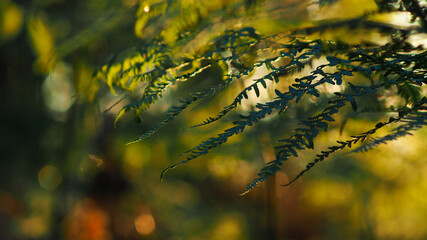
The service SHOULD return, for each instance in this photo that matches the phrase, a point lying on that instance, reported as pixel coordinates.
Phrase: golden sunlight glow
(34, 227)
(146, 8)
(145, 224)
(230, 227)
(11, 21)
(43, 43)
(223, 166)
(329, 193)
(135, 158)
(344, 9)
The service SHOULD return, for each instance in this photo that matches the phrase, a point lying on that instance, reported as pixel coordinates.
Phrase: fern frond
(176, 110)
(296, 62)
(296, 91)
(125, 71)
(342, 144)
(303, 138)
(239, 126)
(415, 119)
(176, 54)
(419, 106)
(154, 64)
(155, 89)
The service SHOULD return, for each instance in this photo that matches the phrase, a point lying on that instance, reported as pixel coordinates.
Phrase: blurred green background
(66, 172)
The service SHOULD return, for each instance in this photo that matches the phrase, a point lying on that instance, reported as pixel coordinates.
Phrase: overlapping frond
(419, 106)
(304, 137)
(395, 67)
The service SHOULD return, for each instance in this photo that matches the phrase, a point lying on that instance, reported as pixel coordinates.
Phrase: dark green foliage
(396, 66)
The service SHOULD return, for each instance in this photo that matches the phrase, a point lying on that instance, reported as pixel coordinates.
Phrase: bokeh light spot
(58, 91)
(230, 227)
(135, 158)
(49, 177)
(87, 220)
(11, 21)
(146, 8)
(34, 227)
(145, 224)
(223, 166)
